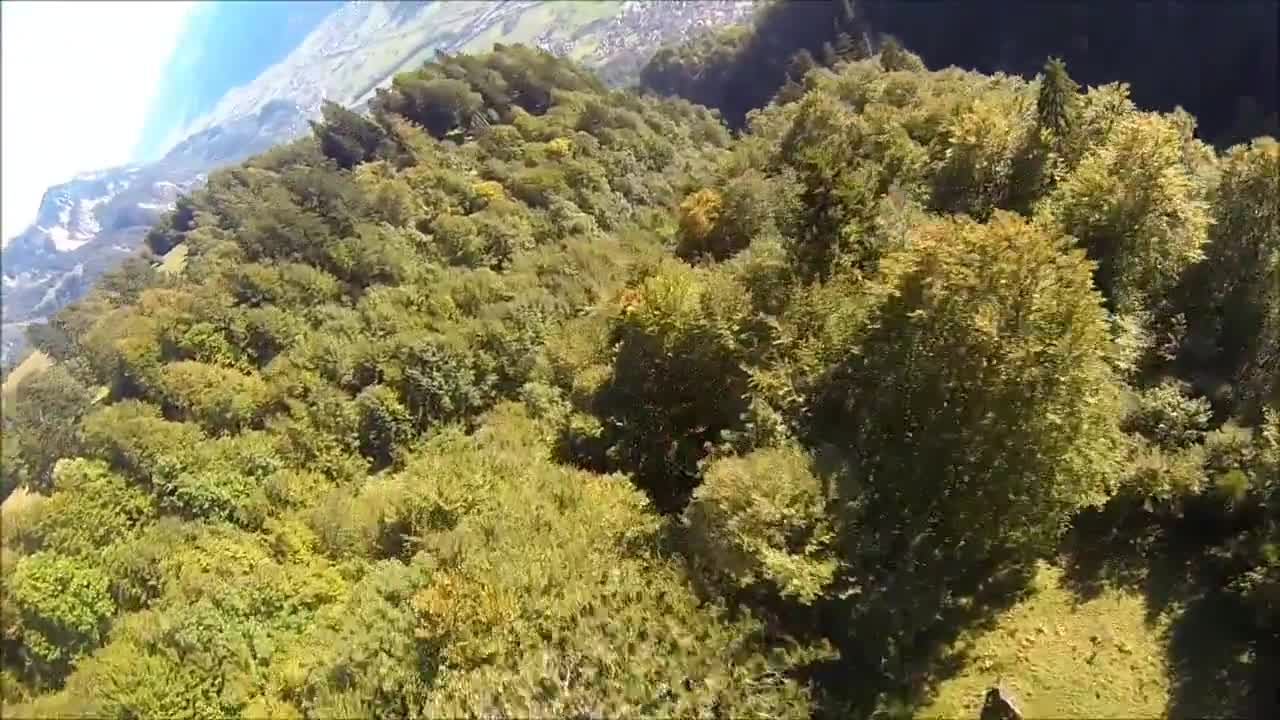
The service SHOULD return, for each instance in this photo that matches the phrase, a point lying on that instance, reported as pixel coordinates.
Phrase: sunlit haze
(77, 80)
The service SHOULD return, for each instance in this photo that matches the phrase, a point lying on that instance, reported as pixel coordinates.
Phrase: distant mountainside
(88, 224)
(224, 45)
(1219, 61)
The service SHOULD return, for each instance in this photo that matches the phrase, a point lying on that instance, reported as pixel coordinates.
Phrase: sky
(76, 79)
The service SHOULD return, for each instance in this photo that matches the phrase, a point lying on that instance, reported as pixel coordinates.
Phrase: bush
(65, 607)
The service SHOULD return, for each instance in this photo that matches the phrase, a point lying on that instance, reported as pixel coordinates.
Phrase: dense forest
(1216, 60)
(526, 397)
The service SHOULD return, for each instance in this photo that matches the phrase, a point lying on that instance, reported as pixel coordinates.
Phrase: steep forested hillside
(1217, 60)
(525, 397)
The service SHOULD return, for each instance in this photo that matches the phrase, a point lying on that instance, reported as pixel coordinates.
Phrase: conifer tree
(844, 46)
(1057, 106)
(895, 57)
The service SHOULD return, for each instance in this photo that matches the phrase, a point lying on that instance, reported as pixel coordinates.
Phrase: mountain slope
(349, 53)
(528, 398)
(224, 45)
(89, 224)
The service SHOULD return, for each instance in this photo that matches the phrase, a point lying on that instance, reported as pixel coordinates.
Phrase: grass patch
(36, 362)
(174, 260)
(1064, 657)
(20, 502)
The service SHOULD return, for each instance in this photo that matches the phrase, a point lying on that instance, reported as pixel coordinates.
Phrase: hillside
(1216, 60)
(525, 396)
(223, 46)
(90, 224)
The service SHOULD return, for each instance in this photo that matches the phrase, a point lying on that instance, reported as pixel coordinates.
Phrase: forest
(526, 397)
(1216, 60)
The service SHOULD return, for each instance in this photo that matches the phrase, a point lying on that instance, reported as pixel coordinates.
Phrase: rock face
(1000, 705)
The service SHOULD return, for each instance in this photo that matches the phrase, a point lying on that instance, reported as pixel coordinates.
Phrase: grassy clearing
(174, 260)
(1063, 657)
(36, 362)
(18, 502)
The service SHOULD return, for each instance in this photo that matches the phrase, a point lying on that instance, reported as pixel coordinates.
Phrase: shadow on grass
(893, 644)
(1100, 553)
(897, 649)
(1218, 667)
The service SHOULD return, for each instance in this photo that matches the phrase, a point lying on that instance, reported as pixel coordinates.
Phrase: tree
(1136, 209)
(346, 137)
(699, 213)
(46, 411)
(969, 413)
(979, 411)
(800, 65)
(1166, 416)
(976, 175)
(51, 339)
(385, 424)
(349, 462)
(844, 46)
(368, 639)
(65, 607)
(438, 105)
(718, 223)
(221, 399)
(678, 379)
(520, 623)
(894, 57)
(134, 438)
(222, 479)
(124, 284)
(173, 227)
(1233, 297)
(762, 520)
(740, 69)
(1058, 105)
(91, 509)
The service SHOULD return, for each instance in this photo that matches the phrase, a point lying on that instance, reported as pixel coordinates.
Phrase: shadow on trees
(897, 641)
(1219, 665)
(892, 627)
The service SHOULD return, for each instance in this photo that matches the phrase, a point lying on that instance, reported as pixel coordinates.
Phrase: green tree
(346, 137)
(979, 411)
(132, 436)
(65, 608)
(678, 379)
(125, 283)
(90, 509)
(1235, 295)
(762, 519)
(222, 479)
(1058, 105)
(549, 562)
(848, 397)
(360, 655)
(43, 425)
(1135, 207)
(221, 399)
(894, 57)
(438, 105)
(385, 424)
(1165, 415)
(976, 174)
